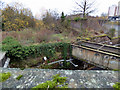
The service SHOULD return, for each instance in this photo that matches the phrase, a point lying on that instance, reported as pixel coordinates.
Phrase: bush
(77, 19)
(17, 52)
(111, 32)
(10, 41)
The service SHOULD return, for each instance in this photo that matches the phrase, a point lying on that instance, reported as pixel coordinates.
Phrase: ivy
(15, 51)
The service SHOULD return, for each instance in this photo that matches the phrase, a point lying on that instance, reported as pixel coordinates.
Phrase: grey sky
(39, 6)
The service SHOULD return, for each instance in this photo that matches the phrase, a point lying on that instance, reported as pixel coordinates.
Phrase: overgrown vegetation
(78, 19)
(17, 52)
(16, 17)
(21, 24)
(111, 33)
(54, 83)
(116, 86)
(4, 76)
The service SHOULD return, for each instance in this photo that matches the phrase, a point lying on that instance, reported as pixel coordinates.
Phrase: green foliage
(18, 78)
(116, 86)
(16, 19)
(62, 17)
(78, 18)
(17, 52)
(69, 20)
(46, 66)
(116, 69)
(0, 46)
(22, 68)
(103, 35)
(115, 37)
(57, 80)
(111, 32)
(4, 76)
(10, 41)
(64, 53)
(68, 64)
(87, 39)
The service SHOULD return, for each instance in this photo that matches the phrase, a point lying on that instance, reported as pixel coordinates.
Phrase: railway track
(101, 47)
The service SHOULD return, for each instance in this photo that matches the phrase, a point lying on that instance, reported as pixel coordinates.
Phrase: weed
(18, 78)
(116, 86)
(54, 83)
(4, 76)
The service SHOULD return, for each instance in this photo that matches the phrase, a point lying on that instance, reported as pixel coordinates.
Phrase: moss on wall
(4, 76)
(116, 86)
(54, 83)
(18, 78)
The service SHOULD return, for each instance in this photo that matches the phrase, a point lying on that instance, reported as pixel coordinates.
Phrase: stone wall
(75, 78)
(98, 58)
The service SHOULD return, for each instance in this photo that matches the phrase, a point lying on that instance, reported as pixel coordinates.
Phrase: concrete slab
(2, 54)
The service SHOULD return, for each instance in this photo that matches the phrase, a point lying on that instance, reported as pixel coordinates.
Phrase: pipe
(73, 64)
(70, 60)
(60, 61)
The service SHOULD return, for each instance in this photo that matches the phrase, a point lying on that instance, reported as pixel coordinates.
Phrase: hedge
(15, 51)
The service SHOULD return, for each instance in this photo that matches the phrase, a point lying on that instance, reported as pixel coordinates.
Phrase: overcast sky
(39, 6)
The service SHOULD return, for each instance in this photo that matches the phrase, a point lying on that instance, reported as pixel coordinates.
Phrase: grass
(28, 37)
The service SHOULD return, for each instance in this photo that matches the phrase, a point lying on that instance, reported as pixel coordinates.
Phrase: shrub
(4, 76)
(10, 41)
(111, 32)
(17, 52)
(62, 17)
(77, 19)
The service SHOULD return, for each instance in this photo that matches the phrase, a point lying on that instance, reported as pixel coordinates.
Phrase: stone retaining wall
(76, 78)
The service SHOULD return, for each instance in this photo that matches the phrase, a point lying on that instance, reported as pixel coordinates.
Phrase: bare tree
(85, 7)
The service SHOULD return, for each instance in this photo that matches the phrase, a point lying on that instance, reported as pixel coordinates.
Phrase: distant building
(114, 12)
(119, 8)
